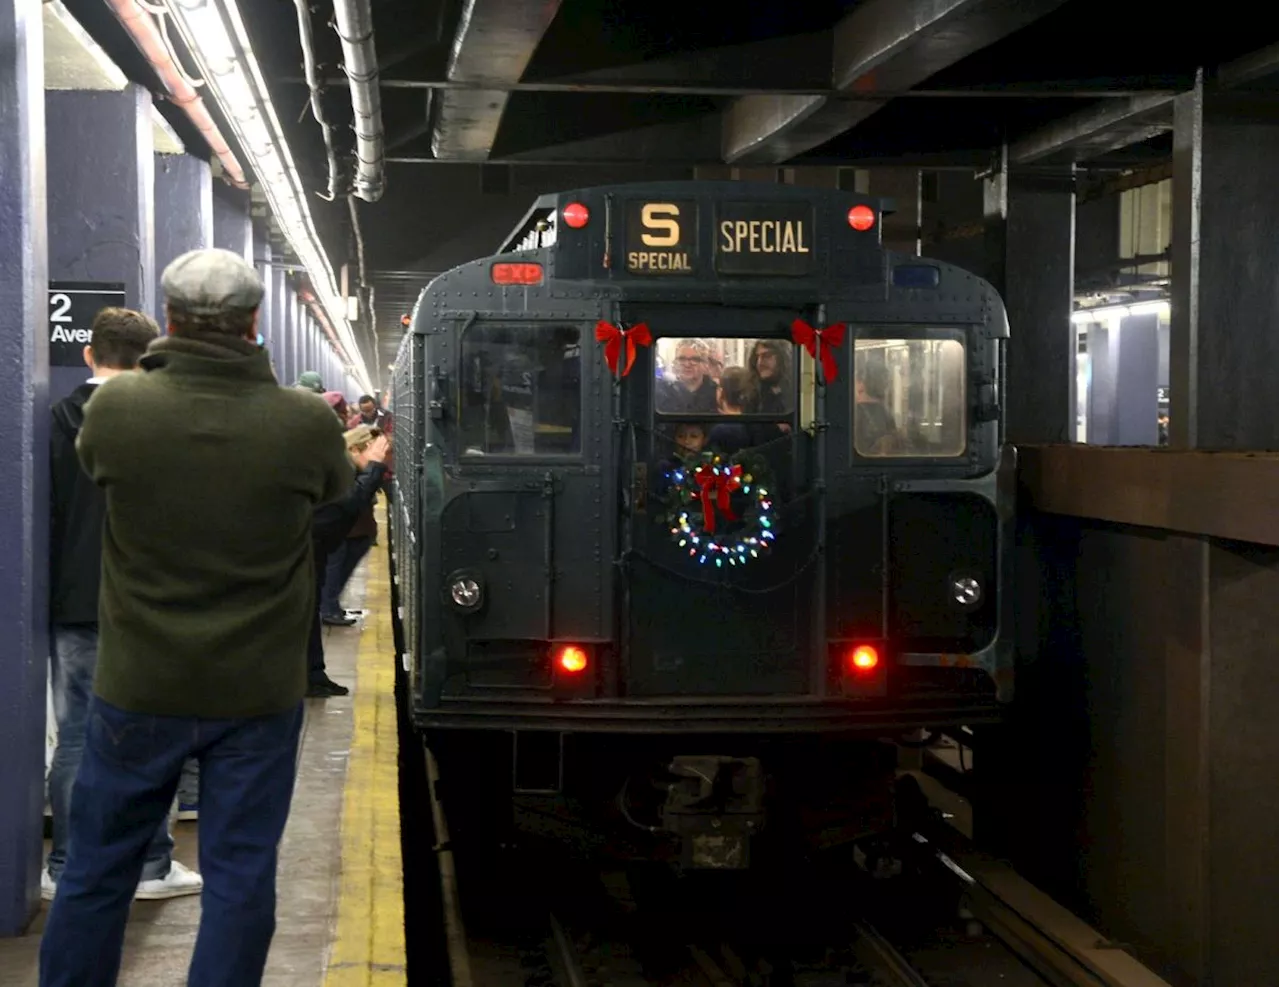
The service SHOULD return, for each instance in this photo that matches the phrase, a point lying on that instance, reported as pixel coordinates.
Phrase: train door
(520, 565)
(718, 381)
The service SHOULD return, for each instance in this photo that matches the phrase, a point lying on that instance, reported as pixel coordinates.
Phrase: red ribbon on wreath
(614, 336)
(820, 343)
(717, 482)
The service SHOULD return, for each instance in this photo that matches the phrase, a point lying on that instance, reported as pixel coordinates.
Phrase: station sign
(661, 237)
(765, 238)
(72, 307)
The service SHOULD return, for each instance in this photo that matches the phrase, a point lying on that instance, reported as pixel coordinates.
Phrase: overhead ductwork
(353, 20)
(494, 42)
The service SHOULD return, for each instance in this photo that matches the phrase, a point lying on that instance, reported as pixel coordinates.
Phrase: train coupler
(715, 806)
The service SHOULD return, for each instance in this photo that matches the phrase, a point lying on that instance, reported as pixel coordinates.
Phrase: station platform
(340, 906)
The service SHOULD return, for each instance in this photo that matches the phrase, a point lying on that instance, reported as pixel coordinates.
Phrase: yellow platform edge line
(368, 948)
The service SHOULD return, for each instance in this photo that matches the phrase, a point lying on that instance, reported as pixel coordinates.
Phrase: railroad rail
(1021, 939)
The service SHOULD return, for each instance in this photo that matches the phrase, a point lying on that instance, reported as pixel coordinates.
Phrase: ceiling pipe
(142, 29)
(353, 20)
(313, 84)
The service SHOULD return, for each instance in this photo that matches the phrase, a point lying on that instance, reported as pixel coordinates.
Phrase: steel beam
(494, 42)
(882, 44)
(1098, 130)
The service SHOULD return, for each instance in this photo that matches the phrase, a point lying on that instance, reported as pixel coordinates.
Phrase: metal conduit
(313, 84)
(353, 20)
(142, 29)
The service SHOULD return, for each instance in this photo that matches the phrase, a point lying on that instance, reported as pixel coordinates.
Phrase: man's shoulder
(304, 409)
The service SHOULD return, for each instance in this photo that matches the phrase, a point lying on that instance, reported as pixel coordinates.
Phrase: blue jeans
(341, 564)
(75, 656)
(127, 781)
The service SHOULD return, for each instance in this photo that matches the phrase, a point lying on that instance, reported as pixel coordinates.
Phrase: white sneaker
(179, 881)
(48, 887)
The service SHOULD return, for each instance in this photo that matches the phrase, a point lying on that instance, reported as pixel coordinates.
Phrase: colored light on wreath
(707, 487)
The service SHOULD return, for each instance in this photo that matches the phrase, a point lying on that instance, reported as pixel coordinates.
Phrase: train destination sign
(770, 238)
(661, 237)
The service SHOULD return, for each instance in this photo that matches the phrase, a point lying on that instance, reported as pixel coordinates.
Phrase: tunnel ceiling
(670, 84)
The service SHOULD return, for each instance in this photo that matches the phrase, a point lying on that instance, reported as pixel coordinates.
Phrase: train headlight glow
(465, 592)
(966, 591)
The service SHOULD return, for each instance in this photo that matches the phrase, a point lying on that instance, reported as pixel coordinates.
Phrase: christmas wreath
(721, 508)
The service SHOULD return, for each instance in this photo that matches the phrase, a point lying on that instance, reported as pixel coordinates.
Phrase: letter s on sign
(660, 216)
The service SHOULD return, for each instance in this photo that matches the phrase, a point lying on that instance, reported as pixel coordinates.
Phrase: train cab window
(690, 372)
(909, 398)
(520, 391)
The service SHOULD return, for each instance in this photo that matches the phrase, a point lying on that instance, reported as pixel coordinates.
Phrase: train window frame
(913, 332)
(518, 458)
(673, 418)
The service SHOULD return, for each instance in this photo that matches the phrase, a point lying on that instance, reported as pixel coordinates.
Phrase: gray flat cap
(210, 282)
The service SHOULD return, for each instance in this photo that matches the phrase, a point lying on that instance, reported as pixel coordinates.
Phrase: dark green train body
(551, 534)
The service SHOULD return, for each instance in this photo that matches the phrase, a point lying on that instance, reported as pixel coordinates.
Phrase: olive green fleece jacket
(211, 472)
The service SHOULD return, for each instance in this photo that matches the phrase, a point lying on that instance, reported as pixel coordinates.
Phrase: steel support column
(183, 210)
(24, 524)
(101, 231)
(1030, 258)
(1223, 352)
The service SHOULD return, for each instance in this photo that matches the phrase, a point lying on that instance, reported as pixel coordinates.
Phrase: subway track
(529, 916)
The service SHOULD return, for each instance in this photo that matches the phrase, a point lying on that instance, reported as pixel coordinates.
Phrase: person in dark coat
(119, 337)
(212, 472)
(332, 529)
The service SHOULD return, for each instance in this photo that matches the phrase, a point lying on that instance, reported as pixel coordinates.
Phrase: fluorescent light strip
(237, 83)
(1107, 313)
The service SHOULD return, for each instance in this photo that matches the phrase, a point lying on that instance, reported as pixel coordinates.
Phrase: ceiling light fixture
(1108, 313)
(215, 35)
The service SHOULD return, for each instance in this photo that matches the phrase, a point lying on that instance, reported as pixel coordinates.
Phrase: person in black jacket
(119, 339)
(330, 525)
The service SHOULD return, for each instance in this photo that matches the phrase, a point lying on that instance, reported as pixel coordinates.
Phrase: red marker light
(516, 273)
(862, 218)
(575, 215)
(572, 659)
(863, 658)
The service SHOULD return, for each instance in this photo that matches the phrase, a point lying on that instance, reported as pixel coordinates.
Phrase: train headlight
(966, 591)
(466, 590)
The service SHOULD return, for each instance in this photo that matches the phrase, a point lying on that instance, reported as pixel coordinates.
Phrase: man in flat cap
(211, 472)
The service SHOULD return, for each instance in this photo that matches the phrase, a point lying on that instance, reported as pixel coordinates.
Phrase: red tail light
(516, 273)
(863, 658)
(571, 659)
(862, 218)
(575, 215)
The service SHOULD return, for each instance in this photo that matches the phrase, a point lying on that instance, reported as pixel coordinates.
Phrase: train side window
(909, 398)
(762, 372)
(520, 391)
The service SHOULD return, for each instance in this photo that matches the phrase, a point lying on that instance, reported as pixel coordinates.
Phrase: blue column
(262, 263)
(1137, 372)
(279, 323)
(1100, 429)
(101, 229)
(184, 212)
(24, 490)
(232, 227)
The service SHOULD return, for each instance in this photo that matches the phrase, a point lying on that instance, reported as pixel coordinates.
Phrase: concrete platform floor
(327, 899)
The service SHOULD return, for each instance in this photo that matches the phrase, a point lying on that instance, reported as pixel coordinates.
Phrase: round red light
(862, 218)
(575, 215)
(572, 659)
(864, 658)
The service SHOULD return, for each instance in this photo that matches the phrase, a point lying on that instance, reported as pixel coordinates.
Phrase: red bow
(720, 481)
(612, 336)
(820, 343)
